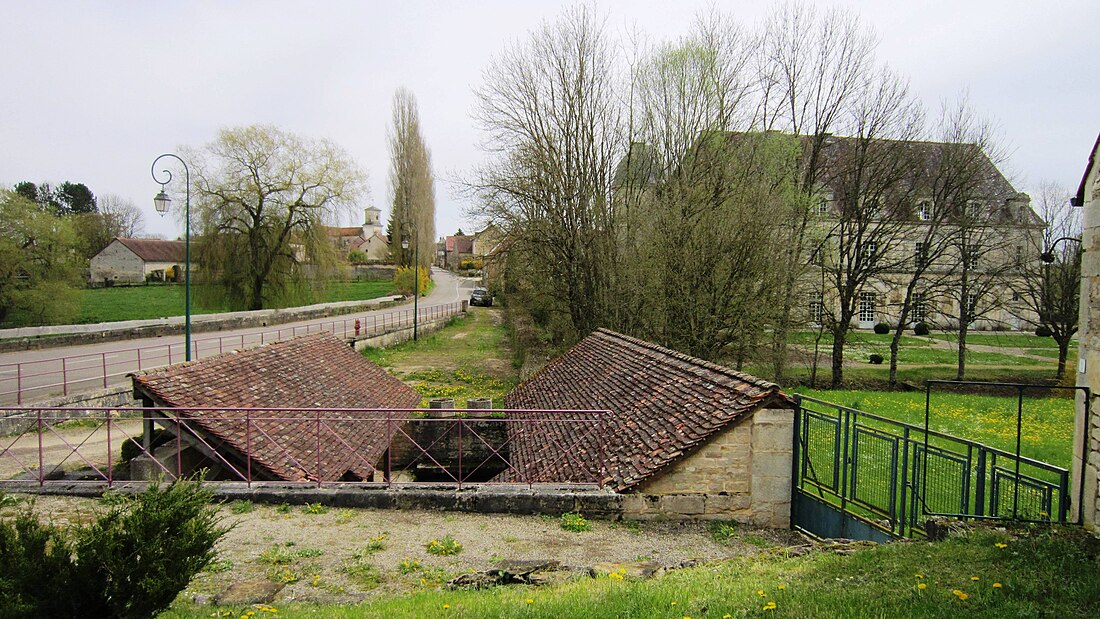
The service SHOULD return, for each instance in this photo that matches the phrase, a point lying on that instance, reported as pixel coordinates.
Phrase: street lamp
(416, 277)
(1048, 255)
(161, 202)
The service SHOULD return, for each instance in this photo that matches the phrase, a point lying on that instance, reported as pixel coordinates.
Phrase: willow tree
(262, 198)
(411, 184)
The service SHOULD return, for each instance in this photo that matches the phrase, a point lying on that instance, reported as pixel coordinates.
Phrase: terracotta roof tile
(312, 372)
(156, 250)
(661, 404)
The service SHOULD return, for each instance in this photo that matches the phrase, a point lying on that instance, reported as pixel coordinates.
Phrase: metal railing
(891, 475)
(314, 447)
(59, 376)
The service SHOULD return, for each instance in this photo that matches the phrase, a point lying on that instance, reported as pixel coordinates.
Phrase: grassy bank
(471, 358)
(984, 573)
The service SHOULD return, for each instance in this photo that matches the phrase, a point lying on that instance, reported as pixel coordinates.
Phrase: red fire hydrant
(356, 327)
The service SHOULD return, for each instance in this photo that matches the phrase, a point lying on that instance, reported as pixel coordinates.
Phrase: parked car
(481, 296)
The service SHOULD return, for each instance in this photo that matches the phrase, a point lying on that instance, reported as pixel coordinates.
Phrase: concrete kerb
(482, 498)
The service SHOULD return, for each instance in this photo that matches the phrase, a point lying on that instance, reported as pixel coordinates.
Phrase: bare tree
(412, 185)
(550, 110)
(263, 199)
(810, 67)
(1049, 281)
(126, 218)
(873, 177)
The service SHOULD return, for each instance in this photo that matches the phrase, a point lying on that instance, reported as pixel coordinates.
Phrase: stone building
(370, 238)
(1086, 443)
(127, 260)
(306, 378)
(681, 437)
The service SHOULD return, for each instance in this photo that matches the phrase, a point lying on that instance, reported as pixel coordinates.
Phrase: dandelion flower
(769, 606)
(530, 600)
(761, 593)
(446, 606)
(1000, 545)
(919, 575)
(997, 585)
(673, 603)
(975, 578)
(781, 587)
(922, 586)
(959, 594)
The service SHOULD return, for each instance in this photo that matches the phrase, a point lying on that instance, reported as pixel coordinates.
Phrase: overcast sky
(94, 91)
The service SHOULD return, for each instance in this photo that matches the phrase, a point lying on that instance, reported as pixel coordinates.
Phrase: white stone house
(127, 260)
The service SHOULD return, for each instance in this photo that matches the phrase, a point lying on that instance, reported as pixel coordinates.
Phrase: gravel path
(346, 555)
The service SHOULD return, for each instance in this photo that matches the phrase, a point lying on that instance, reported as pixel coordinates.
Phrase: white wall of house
(118, 264)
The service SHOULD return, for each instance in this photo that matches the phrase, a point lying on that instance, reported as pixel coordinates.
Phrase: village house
(370, 238)
(128, 261)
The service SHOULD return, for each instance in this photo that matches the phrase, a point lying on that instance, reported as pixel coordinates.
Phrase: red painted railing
(35, 380)
(315, 447)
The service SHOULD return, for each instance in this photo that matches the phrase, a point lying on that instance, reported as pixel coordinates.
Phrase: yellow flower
(530, 600)
(673, 603)
(922, 586)
(959, 594)
(1000, 545)
(446, 606)
(781, 587)
(769, 606)
(996, 585)
(919, 575)
(975, 578)
(618, 576)
(727, 616)
(761, 593)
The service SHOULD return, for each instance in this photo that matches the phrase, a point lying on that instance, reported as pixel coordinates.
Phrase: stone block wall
(742, 474)
(1086, 443)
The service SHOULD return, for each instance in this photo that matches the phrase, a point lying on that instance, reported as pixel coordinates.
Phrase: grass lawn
(1043, 572)
(470, 358)
(145, 302)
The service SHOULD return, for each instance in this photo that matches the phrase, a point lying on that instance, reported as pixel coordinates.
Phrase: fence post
(104, 356)
(19, 384)
(460, 453)
(248, 446)
(1019, 431)
(41, 457)
(389, 446)
(65, 376)
(979, 488)
(110, 472)
(318, 431)
(901, 523)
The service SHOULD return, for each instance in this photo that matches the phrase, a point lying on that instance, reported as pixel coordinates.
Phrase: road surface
(50, 372)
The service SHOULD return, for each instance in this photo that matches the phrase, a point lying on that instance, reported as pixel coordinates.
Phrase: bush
(920, 329)
(131, 562)
(1043, 331)
(357, 256)
(875, 358)
(403, 280)
(882, 328)
(443, 547)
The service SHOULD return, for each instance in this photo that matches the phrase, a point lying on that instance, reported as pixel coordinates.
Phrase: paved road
(42, 373)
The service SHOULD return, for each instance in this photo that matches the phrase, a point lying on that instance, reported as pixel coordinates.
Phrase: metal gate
(863, 476)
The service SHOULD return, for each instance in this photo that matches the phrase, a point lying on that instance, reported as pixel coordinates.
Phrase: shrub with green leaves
(572, 521)
(130, 563)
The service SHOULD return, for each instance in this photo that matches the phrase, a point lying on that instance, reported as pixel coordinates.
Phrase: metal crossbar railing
(26, 381)
(893, 475)
(312, 447)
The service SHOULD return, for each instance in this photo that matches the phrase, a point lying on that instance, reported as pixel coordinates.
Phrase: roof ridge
(703, 363)
(238, 353)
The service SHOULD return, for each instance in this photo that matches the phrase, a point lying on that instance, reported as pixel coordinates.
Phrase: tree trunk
(963, 329)
(839, 335)
(894, 356)
(1063, 352)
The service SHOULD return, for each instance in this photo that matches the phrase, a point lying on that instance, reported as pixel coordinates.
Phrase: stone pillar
(772, 451)
(440, 408)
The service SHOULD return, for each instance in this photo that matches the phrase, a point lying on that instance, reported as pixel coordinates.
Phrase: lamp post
(416, 276)
(161, 202)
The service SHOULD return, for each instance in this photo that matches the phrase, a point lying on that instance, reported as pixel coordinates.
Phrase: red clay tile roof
(661, 403)
(156, 250)
(307, 373)
(460, 244)
(344, 231)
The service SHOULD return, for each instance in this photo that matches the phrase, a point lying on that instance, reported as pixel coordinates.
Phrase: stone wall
(742, 474)
(1086, 443)
(117, 263)
(14, 421)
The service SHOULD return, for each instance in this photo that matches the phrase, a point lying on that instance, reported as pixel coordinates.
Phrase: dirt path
(346, 555)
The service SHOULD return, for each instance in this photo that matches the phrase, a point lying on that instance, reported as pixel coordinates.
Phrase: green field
(158, 301)
(1045, 572)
